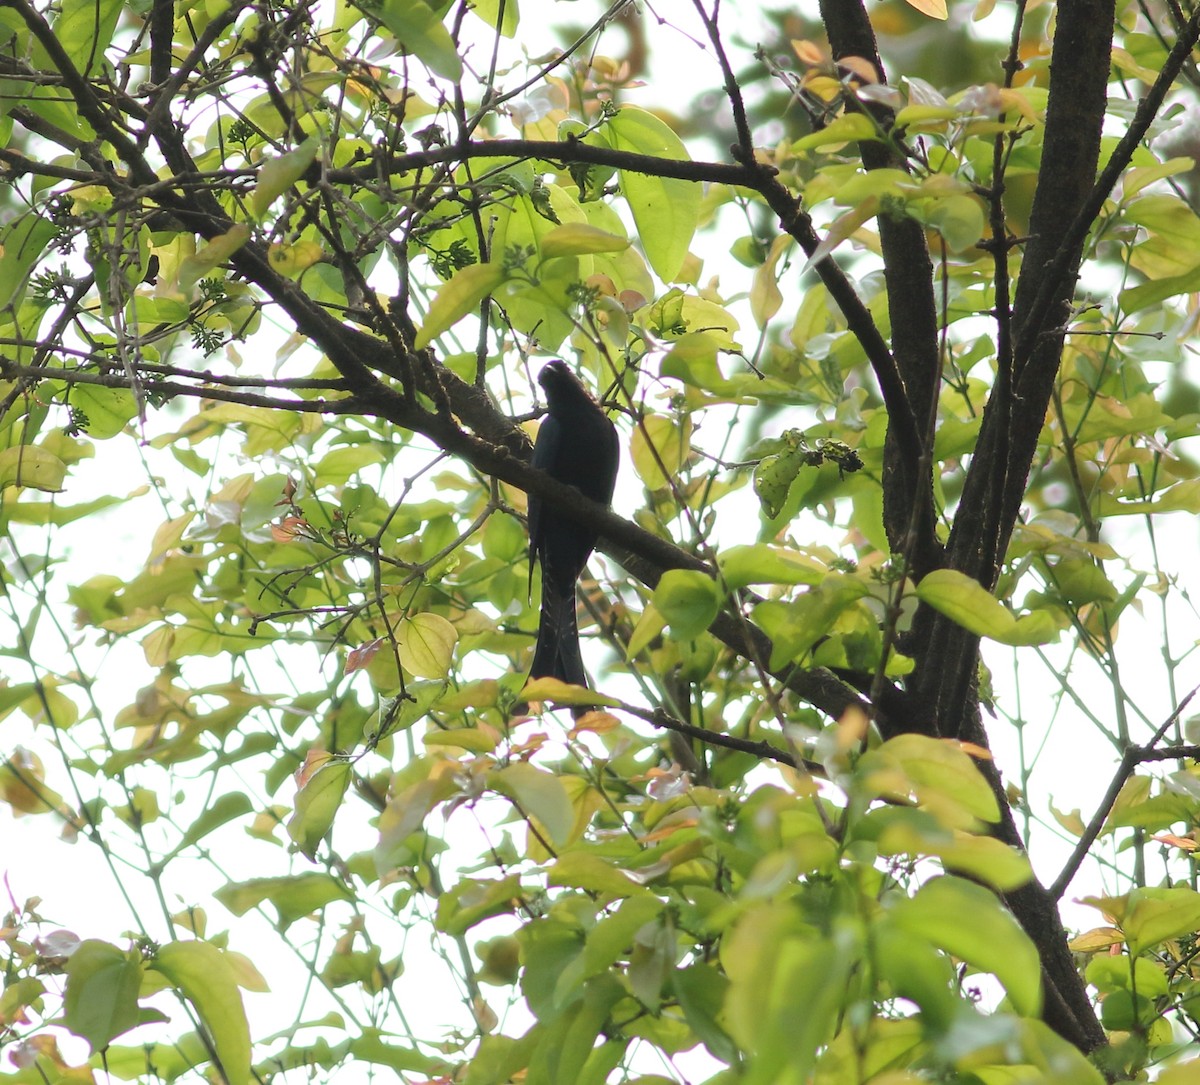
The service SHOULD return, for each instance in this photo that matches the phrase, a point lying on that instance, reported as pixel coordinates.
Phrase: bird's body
(577, 444)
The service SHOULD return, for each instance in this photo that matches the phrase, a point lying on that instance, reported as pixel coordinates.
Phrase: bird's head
(560, 384)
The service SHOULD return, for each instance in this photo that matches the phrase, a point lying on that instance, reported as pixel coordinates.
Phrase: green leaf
(1182, 497)
(292, 897)
(646, 632)
(194, 268)
(1154, 916)
(108, 410)
(489, 12)
(666, 210)
(316, 804)
(701, 990)
(848, 128)
(203, 974)
(958, 218)
(426, 642)
(972, 606)
(224, 809)
(85, 28)
(762, 564)
(584, 870)
(278, 174)
(609, 940)
(51, 513)
(102, 992)
(419, 31)
(918, 833)
(934, 772)
(473, 900)
(29, 465)
(787, 988)
(459, 296)
(539, 794)
(568, 1042)
(22, 244)
(915, 969)
(796, 625)
(991, 940)
(689, 601)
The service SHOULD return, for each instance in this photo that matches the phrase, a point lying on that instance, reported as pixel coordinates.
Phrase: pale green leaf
(29, 465)
(202, 974)
(559, 692)
(959, 219)
(591, 872)
(22, 244)
(665, 209)
(932, 771)
(473, 900)
(490, 12)
(194, 268)
(760, 563)
(457, 297)
(659, 447)
(848, 128)
(1155, 915)
(108, 410)
(765, 295)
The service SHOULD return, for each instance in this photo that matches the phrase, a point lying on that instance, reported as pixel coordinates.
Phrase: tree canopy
(892, 310)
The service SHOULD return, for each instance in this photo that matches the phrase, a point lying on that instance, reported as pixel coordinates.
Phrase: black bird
(577, 444)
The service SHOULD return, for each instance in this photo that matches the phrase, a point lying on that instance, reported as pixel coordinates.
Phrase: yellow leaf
(1097, 938)
(765, 297)
(935, 9)
(290, 260)
(578, 239)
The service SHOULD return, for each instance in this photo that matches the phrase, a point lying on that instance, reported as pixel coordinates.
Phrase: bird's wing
(545, 456)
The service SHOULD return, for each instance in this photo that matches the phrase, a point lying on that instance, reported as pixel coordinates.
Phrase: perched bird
(576, 444)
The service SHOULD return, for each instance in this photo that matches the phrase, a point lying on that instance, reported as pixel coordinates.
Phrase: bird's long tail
(557, 652)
